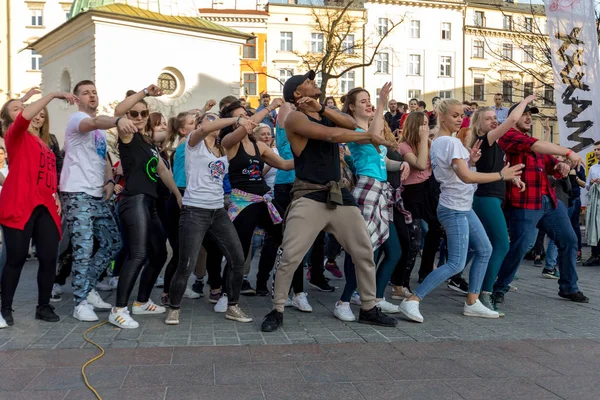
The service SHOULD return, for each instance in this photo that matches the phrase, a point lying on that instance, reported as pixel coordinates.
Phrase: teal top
(285, 152)
(179, 166)
(367, 161)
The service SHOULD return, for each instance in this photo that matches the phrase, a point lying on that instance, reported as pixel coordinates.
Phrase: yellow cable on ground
(85, 379)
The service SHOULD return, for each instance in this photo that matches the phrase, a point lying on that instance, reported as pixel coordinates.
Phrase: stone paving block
(70, 378)
(315, 391)
(286, 353)
(430, 390)
(35, 395)
(210, 355)
(227, 373)
(16, 379)
(152, 393)
(245, 392)
(504, 388)
(341, 371)
(571, 387)
(169, 375)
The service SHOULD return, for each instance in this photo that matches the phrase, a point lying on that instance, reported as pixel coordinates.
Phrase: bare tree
(345, 47)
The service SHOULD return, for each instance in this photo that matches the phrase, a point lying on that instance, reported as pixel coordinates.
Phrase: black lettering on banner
(574, 82)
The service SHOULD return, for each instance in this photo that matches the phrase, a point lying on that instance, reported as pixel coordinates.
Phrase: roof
(154, 17)
(501, 5)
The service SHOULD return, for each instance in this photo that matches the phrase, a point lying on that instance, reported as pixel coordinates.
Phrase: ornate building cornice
(499, 33)
(446, 5)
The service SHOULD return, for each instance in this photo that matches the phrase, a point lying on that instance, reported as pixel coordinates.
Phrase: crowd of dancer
(302, 179)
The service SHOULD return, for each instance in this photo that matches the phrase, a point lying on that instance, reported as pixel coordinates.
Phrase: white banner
(575, 62)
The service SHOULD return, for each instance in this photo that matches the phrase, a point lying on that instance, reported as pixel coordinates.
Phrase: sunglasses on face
(135, 114)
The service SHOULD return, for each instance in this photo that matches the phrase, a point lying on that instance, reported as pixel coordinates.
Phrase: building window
(67, 15)
(479, 89)
(445, 66)
(528, 53)
(507, 91)
(445, 94)
(528, 24)
(319, 78)
(348, 44)
(382, 62)
(382, 26)
(37, 17)
(250, 88)
(414, 64)
(507, 22)
(527, 89)
(548, 95)
(316, 42)
(250, 48)
(479, 19)
(415, 29)
(414, 94)
(507, 51)
(446, 30)
(36, 61)
(167, 83)
(347, 82)
(286, 41)
(285, 74)
(478, 50)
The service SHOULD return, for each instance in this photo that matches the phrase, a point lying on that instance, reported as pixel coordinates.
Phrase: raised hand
(475, 153)
(154, 91)
(209, 105)
(276, 103)
(308, 104)
(530, 99)
(513, 172)
(126, 126)
(384, 95)
(68, 97)
(248, 124)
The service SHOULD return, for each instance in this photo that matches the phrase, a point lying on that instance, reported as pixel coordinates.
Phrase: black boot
(46, 313)
(7, 315)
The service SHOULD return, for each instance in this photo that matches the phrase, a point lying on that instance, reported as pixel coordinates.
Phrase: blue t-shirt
(269, 119)
(179, 166)
(285, 152)
(367, 161)
(226, 184)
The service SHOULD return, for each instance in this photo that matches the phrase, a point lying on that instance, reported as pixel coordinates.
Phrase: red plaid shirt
(517, 147)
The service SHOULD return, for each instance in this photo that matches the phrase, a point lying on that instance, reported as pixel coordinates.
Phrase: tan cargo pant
(305, 219)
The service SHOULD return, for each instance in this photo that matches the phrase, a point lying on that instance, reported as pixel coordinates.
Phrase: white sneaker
(85, 312)
(190, 294)
(387, 307)
(288, 302)
(410, 308)
(301, 302)
(56, 294)
(96, 301)
(103, 287)
(221, 305)
(114, 282)
(160, 282)
(3, 323)
(147, 308)
(122, 319)
(343, 312)
(400, 292)
(355, 299)
(477, 309)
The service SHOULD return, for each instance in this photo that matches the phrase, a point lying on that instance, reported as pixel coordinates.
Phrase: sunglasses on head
(135, 114)
(211, 117)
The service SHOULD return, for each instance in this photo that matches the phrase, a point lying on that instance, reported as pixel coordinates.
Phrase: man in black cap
(537, 206)
(319, 200)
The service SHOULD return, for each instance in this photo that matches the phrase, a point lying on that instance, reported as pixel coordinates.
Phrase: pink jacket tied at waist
(240, 200)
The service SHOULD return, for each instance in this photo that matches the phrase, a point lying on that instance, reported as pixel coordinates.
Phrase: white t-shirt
(85, 159)
(204, 172)
(270, 176)
(4, 171)
(455, 194)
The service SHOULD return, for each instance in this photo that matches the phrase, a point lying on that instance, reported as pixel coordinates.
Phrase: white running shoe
(103, 287)
(410, 308)
(122, 319)
(355, 299)
(387, 307)
(301, 303)
(343, 312)
(160, 282)
(221, 305)
(3, 323)
(96, 301)
(147, 308)
(114, 282)
(56, 294)
(477, 309)
(85, 312)
(190, 294)
(288, 302)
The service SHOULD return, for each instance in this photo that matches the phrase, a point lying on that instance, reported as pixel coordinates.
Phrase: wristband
(146, 92)
(322, 109)
(109, 181)
(501, 175)
(117, 122)
(568, 153)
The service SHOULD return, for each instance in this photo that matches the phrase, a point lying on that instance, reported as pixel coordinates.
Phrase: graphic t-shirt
(205, 173)
(140, 161)
(85, 158)
(32, 178)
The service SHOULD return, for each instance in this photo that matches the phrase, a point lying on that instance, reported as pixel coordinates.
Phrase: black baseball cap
(292, 84)
(533, 110)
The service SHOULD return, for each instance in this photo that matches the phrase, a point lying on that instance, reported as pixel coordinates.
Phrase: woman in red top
(29, 207)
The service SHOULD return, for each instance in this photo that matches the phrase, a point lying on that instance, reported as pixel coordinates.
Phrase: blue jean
(463, 231)
(523, 233)
(552, 250)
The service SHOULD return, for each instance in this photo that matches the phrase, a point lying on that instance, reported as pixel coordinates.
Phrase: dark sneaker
(272, 321)
(458, 285)
(214, 297)
(198, 287)
(375, 317)
(247, 289)
(575, 297)
(333, 269)
(164, 300)
(550, 273)
(46, 313)
(8, 317)
(322, 285)
(498, 298)
(578, 259)
(592, 262)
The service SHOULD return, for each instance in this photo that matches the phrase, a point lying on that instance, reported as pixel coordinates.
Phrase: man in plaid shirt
(537, 206)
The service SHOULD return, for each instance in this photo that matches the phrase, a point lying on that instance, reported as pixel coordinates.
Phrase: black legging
(42, 229)
(146, 247)
(172, 230)
(409, 241)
